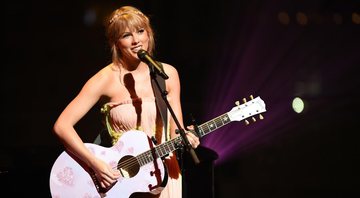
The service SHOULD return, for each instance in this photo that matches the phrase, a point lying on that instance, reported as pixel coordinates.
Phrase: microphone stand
(180, 130)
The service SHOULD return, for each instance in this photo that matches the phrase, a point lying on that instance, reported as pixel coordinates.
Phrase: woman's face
(131, 42)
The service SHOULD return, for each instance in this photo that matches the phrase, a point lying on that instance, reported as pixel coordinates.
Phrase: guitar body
(70, 178)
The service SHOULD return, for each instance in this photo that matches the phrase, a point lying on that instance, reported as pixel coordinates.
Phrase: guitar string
(134, 160)
(142, 157)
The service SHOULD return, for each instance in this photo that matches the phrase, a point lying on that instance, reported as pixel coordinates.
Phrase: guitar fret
(170, 146)
(225, 119)
(141, 159)
(177, 141)
(150, 156)
(166, 148)
(216, 121)
(207, 125)
(219, 122)
(173, 147)
(163, 148)
(213, 124)
(159, 150)
(145, 157)
(201, 131)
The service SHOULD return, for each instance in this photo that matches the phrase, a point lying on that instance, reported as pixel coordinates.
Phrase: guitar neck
(165, 148)
(213, 124)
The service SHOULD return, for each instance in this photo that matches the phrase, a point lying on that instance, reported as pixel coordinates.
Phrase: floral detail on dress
(66, 176)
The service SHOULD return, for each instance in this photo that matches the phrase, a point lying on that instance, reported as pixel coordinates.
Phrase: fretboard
(213, 124)
(167, 147)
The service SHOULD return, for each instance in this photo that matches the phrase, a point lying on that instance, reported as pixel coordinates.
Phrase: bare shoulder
(102, 78)
(173, 83)
(170, 70)
(104, 74)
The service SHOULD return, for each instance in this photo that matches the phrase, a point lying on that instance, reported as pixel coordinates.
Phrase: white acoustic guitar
(138, 159)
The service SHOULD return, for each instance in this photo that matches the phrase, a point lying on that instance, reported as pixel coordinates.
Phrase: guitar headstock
(251, 108)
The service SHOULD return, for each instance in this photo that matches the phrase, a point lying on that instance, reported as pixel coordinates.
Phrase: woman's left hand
(193, 139)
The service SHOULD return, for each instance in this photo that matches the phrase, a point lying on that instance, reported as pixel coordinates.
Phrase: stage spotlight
(356, 18)
(284, 18)
(298, 105)
(301, 18)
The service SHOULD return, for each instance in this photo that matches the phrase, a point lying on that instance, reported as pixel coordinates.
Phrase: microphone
(145, 57)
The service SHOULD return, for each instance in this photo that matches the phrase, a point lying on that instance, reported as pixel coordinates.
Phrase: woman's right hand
(105, 174)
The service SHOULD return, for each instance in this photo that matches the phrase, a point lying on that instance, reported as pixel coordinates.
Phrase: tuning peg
(251, 97)
(253, 119)
(237, 103)
(247, 122)
(261, 117)
(244, 100)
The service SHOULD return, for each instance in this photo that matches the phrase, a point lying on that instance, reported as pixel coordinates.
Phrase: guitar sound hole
(128, 166)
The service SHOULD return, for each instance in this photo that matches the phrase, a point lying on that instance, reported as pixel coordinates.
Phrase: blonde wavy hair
(127, 17)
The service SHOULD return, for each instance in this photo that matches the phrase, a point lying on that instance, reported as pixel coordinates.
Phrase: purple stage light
(278, 63)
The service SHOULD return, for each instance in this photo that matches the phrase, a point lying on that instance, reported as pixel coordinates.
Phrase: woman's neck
(129, 65)
(135, 67)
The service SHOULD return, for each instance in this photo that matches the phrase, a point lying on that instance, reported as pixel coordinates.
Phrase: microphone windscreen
(141, 54)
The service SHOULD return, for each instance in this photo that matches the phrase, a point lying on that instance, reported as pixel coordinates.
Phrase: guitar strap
(159, 100)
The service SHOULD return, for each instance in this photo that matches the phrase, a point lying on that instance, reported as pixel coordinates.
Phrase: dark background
(52, 47)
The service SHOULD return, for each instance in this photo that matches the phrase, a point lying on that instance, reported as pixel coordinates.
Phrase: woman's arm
(74, 111)
(174, 89)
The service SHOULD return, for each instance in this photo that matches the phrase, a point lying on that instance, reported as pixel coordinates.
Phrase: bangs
(131, 21)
